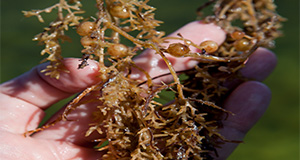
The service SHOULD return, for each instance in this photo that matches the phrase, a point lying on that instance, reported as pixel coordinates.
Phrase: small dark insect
(203, 51)
(84, 62)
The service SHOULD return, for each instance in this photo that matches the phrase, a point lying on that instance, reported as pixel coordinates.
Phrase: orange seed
(178, 49)
(85, 28)
(209, 46)
(117, 50)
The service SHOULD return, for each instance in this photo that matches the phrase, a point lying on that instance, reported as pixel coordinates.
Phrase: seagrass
(134, 124)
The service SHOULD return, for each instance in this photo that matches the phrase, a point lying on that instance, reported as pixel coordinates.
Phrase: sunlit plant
(135, 124)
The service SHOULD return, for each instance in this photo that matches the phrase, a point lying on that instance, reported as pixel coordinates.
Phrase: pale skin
(24, 99)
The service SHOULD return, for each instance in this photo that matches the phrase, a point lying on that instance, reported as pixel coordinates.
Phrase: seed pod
(117, 9)
(86, 28)
(236, 35)
(117, 50)
(209, 46)
(178, 49)
(242, 44)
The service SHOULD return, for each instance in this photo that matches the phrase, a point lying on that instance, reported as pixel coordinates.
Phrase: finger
(24, 98)
(260, 64)
(40, 90)
(18, 147)
(151, 62)
(258, 67)
(74, 129)
(248, 102)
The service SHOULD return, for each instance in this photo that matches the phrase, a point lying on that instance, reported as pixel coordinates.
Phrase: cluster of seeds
(134, 124)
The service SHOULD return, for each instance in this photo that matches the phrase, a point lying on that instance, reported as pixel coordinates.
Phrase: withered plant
(135, 124)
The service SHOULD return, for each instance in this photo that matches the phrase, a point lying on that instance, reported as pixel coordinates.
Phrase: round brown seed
(87, 41)
(118, 10)
(178, 49)
(117, 50)
(237, 35)
(242, 44)
(209, 46)
(86, 28)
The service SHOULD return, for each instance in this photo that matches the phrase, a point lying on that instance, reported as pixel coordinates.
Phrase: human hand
(24, 99)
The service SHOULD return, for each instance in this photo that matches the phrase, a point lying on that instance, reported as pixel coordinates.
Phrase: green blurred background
(276, 135)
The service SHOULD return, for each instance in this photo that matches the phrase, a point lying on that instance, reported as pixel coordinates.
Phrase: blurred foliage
(276, 136)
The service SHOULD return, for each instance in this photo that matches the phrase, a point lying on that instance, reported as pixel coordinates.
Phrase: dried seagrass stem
(123, 33)
(135, 125)
(172, 70)
(150, 46)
